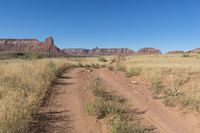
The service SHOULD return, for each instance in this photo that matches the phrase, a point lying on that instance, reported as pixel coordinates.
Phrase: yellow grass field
(173, 78)
(23, 83)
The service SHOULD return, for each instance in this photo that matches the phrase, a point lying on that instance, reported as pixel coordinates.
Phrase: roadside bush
(135, 71)
(192, 102)
(102, 59)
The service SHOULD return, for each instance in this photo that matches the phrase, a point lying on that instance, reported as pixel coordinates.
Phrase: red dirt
(66, 105)
(70, 93)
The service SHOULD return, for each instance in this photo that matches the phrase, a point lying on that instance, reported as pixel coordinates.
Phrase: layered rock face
(144, 51)
(29, 45)
(99, 52)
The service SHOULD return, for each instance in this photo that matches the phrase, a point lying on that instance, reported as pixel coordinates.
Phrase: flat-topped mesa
(29, 45)
(176, 52)
(98, 51)
(145, 51)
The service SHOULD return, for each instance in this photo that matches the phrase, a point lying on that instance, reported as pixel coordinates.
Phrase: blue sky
(164, 24)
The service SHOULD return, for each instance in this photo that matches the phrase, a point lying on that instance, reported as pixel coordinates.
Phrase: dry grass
(173, 78)
(23, 84)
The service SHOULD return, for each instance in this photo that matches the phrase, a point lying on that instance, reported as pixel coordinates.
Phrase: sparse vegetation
(115, 110)
(165, 72)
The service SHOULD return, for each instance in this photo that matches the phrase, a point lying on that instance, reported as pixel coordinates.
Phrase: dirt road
(164, 119)
(65, 113)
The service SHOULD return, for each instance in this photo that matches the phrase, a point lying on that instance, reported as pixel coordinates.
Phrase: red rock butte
(145, 51)
(29, 45)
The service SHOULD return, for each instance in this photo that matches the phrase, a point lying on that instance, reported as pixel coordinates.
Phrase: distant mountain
(48, 48)
(98, 51)
(176, 52)
(29, 46)
(145, 51)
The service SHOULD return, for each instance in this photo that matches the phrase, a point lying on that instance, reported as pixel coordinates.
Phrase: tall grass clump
(134, 71)
(156, 87)
(23, 84)
(171, 97)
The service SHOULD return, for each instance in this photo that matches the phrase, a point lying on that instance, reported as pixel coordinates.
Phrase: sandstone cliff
(29, 45)
(99, 51)
(144, 51)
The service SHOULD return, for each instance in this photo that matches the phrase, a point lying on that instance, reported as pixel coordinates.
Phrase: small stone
(134, 82)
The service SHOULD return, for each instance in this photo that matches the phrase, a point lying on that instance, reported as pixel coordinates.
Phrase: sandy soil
(64, 112)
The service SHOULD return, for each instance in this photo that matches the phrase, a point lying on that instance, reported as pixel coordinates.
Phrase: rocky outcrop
(99, 51)
(176, 52)
(144, 51)
(29, 45)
